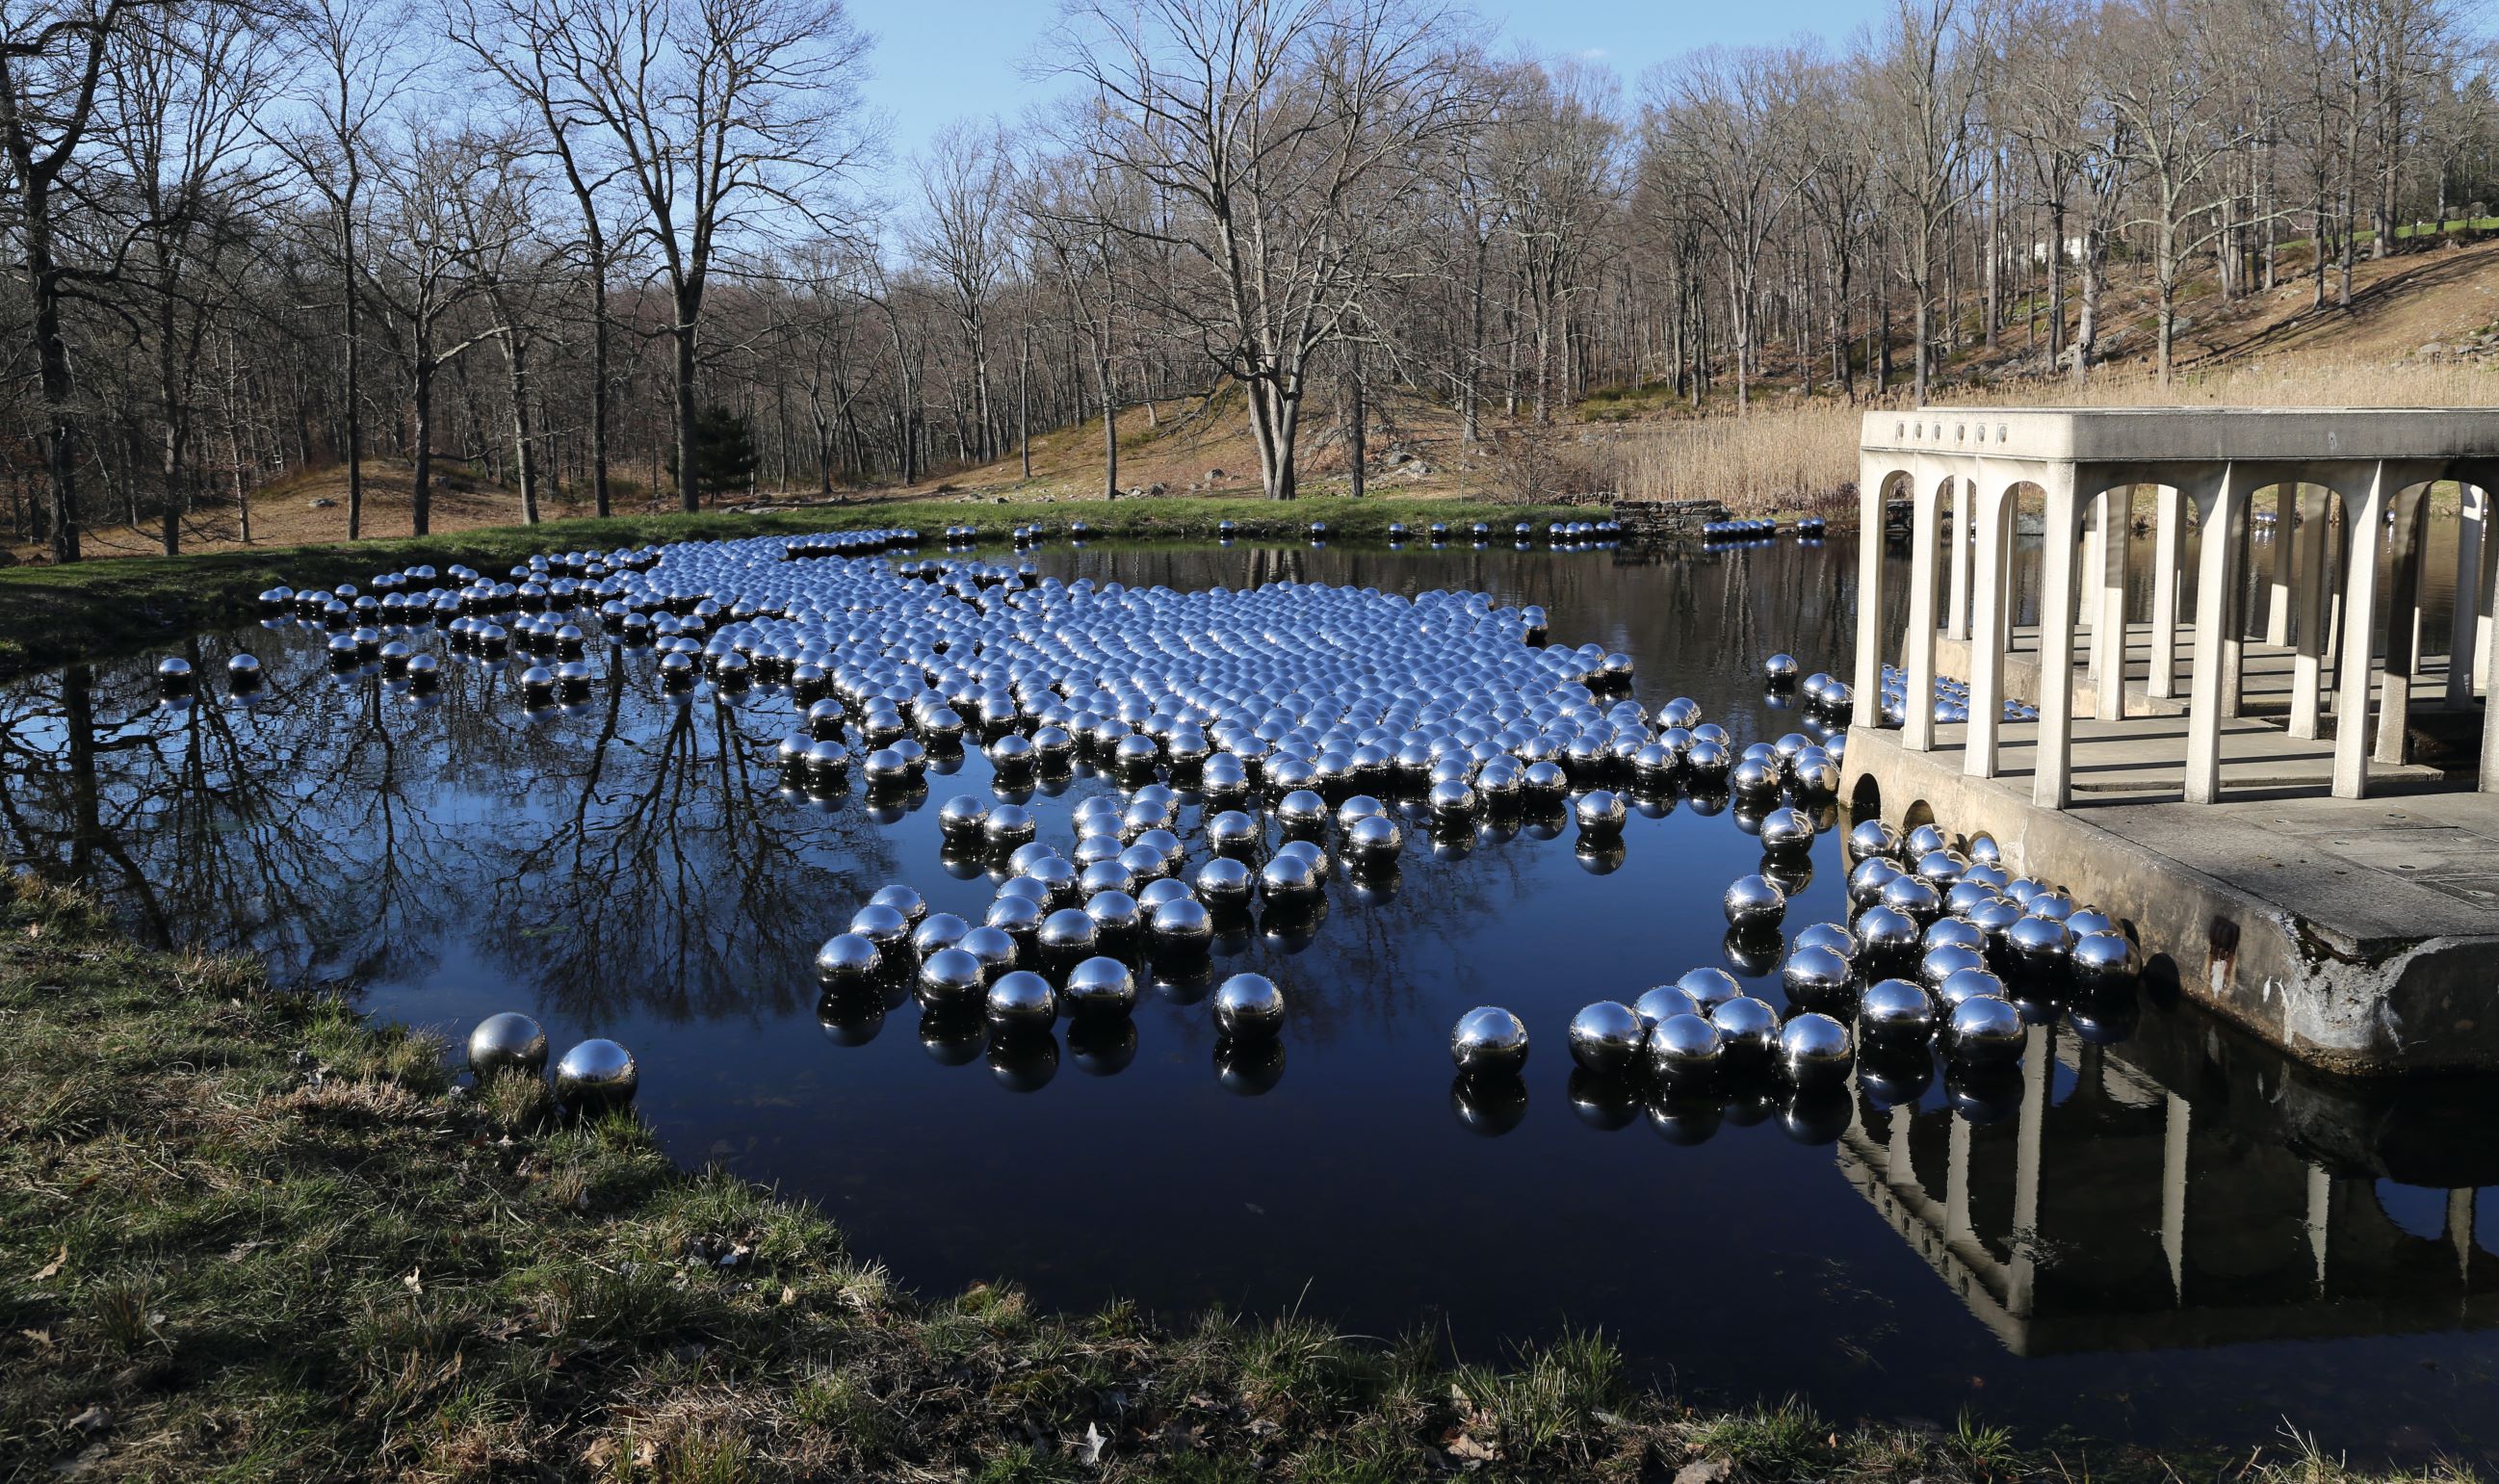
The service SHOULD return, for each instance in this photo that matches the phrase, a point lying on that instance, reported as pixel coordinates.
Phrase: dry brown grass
(1805, 456)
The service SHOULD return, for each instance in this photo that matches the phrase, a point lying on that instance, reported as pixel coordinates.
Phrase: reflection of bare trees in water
(633, 851)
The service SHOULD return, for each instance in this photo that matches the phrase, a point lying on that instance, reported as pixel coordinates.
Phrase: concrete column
(2486, 604)
(2096, 546)
(2316, 592)
(2174, 1142)
(1956, 616)
(2053, 785)
(2108, 638)
(2168, 535)
(2234, 628)
(2215, 615)
(2285, 507)
(2464, 621)
(1870, 472)
(2364, 529)
(1988, 637)
(1918, 658)
(2085, 614)
(2403, 627)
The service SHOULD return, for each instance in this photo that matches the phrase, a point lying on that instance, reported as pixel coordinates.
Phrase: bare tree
(730, 117)
(1266, 118)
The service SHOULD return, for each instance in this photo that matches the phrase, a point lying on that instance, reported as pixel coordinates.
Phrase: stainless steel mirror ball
(1293, 700)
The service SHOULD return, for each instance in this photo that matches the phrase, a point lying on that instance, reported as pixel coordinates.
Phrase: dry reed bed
(1802, 456)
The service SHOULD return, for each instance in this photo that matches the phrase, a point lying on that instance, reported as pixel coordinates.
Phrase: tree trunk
(355, 389)
(689, 305)
(599, 393)
(1023, 399)
(1357, 450)
(523, 440)
(1110, 429)
(421, 503)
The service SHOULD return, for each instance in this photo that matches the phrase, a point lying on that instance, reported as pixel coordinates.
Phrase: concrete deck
(2266, 674)
(2361, 935)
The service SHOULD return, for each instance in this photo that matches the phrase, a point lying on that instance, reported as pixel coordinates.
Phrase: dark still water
(2157, 1231)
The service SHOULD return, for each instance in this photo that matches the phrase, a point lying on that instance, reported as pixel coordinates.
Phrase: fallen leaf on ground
(53, 1269)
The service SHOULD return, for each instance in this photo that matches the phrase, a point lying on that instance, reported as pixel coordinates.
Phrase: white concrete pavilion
(1969, 468)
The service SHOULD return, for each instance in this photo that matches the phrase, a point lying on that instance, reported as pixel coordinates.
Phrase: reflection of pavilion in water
(2130, 1216)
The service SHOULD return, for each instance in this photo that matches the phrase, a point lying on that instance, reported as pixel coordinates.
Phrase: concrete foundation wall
(2355, 1007)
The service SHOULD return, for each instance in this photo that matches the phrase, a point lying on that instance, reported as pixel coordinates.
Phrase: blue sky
(939, 60)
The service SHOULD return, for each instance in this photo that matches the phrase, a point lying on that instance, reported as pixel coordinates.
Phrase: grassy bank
(51, 615)
(247, 1234)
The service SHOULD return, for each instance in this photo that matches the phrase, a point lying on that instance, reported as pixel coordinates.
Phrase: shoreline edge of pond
(251, 1229)
(100, 608)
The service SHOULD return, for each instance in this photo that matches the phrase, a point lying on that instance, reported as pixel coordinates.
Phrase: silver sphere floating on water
(1709, 988)
(848, 960)
(1924, 839)
(243, 672)
(2042, 944)
(1248, 1007)
(1871, 876)
(1984, 849)
(951, 976)
(1066, 936)
(596, 1077)
(510, 1042)
(1753, 903)
(1779, 669)
(1683, 1047)
(1601, 814)
(1663, 1002)
(1754, 776)
(1488, 1042)
(1308, 851)
(994, 943)
(2090, 920)
(1182, 924)
(1021, 1000)
(1452, 797)
(1748, 1029)
(1895, 1009)
(2105, 961)
(902, 899)
(1023, 857)
(1302, 812)
(1814, 1048)
(1829, 935)
(1915, 897)
(1166, 889)
(1289, 880)
(1942, 963)
(1787, 832)
(1969, 984)
(938, 930)
(1116, 915)
(1232, 830)
(1955, 932)
(1226, 882)
(173, 673)
(1984, 1029)
(1009, 825)
(1607, 1038)
(1374, 839)
(882, 926)
(1814, 974)
(1103, 875)
(1100, 986)
(1887, 932)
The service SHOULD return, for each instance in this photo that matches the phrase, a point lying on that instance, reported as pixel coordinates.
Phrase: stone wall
(1657, 522)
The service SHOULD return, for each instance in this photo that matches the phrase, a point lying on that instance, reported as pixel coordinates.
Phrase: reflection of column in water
(2173, 1193)
(2320, 1216)
(2037, 1058)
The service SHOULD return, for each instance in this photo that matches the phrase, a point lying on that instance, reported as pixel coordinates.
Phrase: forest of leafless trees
(608, 254)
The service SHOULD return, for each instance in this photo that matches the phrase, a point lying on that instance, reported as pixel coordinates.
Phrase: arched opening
(1865, 800)
(1918, 813)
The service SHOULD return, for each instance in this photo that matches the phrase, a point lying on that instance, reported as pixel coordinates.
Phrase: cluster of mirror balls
(1951, 699)
(1295, 704)
(595, 1077)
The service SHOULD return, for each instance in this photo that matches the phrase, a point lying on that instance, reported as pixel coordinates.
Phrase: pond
(2156, 1230)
